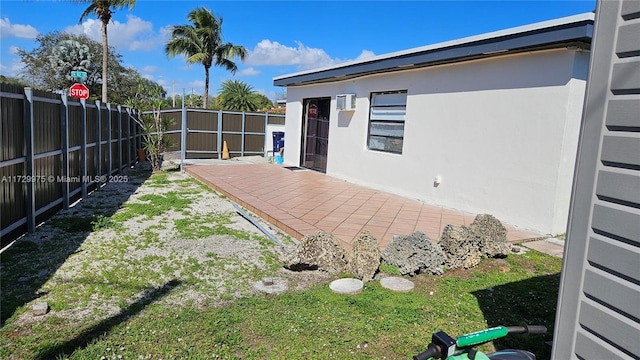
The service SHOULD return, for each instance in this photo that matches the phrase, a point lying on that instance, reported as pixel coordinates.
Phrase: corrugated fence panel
(231, 122)
(47, 191)
(91, 124)
(254, 123)
(135, 142)
(276, 119)
(175, 119)
(74, 169)
(254, 144)
(197, 120)
(47, 125)
(11, 125)
(75, 125)
(104, 118)
(202, 142)
(234, 143)
(12, 196)
(16, 214)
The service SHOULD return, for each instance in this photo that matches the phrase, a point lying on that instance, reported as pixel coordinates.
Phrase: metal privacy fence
(54, 150)
(207, 130)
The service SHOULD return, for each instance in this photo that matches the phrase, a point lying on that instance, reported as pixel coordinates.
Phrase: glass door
(315, 133)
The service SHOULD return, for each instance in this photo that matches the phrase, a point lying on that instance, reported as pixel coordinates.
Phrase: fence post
(266, 126)
(83, 148)
(243, 134)
(137, 131)
(183, 136)
(120, 133)
(129, 137)
(64, 112)
(219, 147)
(30, 150)
(98, 144)
(109, 149)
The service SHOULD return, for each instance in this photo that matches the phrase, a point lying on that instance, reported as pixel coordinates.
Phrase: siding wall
(501, 133)
(599, 304)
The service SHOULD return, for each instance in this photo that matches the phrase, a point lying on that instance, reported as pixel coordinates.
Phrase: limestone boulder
(319, 251)
(492, 236)
(461, 247)
(415, 254)
(170, 166)
(364, 260)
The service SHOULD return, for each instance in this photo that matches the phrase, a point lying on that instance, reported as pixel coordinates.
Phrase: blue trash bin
(278, 144)
(278, 141)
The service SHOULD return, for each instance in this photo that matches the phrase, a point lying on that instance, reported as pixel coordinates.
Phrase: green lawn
(157, 315)
(311, 324)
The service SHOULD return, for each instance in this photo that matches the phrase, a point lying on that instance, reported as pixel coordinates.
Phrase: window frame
(386, 120)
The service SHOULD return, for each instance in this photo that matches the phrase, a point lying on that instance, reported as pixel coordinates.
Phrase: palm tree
(103, 10)
(236, 95)
(202, 43)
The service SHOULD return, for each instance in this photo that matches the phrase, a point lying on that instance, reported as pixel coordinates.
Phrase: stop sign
(79, 91)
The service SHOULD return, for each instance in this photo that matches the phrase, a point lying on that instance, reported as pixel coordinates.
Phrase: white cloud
(13, 69)
(248, 72)
(135, 34)
(149, 69)
(16, 30)
(365, 54)
(13, 50)
(197, 86)
(268, 52)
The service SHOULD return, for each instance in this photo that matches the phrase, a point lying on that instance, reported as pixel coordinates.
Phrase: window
(386, 121)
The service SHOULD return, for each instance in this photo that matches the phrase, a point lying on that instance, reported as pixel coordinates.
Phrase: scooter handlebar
(527, 329)
(432, 351)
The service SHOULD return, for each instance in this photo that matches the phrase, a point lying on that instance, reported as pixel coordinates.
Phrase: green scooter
(444, 347)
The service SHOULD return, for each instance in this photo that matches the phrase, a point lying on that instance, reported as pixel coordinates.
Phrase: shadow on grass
(532, 301)
(89, 335)
(32, 260)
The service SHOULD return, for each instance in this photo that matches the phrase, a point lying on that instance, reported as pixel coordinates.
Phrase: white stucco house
(484, 124)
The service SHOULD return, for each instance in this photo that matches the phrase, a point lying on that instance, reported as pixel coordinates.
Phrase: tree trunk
(206, 88)
(105, 57)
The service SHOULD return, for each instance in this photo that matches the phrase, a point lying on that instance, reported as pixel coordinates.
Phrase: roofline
(576, 30)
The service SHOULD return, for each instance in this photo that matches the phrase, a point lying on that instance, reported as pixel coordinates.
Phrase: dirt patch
(129, 239)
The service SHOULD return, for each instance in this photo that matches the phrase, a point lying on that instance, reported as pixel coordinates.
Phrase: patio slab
(550, 246)
(302, 202)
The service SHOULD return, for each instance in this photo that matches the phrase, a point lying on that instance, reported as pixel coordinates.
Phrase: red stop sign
(313, 111)
(79, 91)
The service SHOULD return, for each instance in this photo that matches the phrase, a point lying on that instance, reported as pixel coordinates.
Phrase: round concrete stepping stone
(396, 283)
(346, 286)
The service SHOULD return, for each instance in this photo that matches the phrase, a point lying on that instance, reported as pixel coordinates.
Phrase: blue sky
(281, 37)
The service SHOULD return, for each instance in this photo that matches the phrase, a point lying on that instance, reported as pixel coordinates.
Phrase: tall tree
(69, 55)
(48, 66)
(103, 10)
(202, 43)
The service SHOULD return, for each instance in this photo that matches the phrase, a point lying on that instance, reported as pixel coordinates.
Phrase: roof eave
(572, 34)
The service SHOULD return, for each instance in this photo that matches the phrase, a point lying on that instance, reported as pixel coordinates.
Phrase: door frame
(306, 102)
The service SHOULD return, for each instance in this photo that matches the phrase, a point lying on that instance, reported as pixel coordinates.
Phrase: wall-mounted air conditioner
(346, 102)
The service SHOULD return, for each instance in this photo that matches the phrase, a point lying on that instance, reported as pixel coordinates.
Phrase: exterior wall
(270, 130)
(501, 133)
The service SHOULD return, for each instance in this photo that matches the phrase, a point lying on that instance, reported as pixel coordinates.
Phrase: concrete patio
(300, 202)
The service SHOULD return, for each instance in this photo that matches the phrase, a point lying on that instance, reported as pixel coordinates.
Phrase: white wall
(502, 134)
(270, 129)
